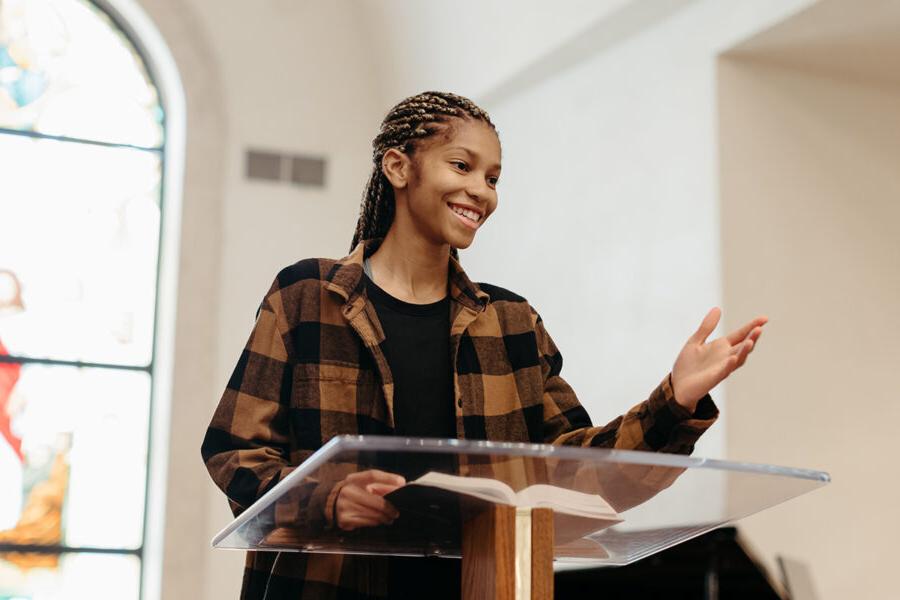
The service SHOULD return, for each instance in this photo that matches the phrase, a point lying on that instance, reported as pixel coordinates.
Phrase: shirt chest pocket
(325, 405)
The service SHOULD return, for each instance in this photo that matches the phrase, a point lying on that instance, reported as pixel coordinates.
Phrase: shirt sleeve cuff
(331, 506)
(671, 426)
(706, 409)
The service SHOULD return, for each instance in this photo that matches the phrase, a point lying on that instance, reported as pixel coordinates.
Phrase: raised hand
(360, 503)
(701, 365)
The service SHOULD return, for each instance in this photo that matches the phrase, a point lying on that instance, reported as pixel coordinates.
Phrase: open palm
(701, 365)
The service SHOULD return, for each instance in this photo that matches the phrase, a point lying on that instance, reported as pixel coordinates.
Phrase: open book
(534, 496)
(576, 514)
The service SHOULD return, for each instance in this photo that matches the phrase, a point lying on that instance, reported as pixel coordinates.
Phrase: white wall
(469, 46)
(608, 215)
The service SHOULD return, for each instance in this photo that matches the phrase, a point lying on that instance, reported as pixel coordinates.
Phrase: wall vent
(285, 168)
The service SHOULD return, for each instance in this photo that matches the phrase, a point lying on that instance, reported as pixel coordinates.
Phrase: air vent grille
(285, 168)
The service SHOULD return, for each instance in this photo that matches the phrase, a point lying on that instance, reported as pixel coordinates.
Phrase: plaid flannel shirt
(314, 367)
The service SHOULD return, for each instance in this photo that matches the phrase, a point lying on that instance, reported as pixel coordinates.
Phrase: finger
(755, 341)
(357, 495)
(727, 368)
(369, 512)
(755, 335)
(354, 521)
(740, 353)
(381, 489)
(706, 326)
(385, 477)
(358, 510)
(738, 335)
(376, 503)
(741, 348)
(376, 475)
(742, 358)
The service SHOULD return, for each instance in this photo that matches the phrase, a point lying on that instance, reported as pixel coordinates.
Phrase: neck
(411, 269)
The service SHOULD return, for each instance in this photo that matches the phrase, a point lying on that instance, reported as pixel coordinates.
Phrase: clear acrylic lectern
(653, 501)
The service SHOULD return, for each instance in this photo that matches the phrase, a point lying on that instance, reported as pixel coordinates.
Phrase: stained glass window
(81, 155)
(67, 70)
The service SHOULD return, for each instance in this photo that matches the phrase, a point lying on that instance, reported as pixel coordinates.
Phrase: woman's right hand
(360, 501)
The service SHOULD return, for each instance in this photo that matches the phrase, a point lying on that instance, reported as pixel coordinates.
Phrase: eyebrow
(473, 154)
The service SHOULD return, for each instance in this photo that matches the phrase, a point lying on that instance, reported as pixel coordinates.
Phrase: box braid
(414, 119)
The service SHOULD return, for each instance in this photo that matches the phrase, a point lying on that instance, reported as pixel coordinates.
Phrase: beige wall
(810, 182)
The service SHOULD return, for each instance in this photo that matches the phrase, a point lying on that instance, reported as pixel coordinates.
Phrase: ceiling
(850, 39)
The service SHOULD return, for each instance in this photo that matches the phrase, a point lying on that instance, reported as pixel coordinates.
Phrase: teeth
(469, 214)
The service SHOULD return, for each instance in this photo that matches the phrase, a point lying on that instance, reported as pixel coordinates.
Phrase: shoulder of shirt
(501, 297)
(302, 277)
(499, 294)
(307, 269)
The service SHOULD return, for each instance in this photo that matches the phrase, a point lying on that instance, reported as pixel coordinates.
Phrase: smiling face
(451, 185)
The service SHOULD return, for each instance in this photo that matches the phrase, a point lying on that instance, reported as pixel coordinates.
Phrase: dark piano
(714, 566)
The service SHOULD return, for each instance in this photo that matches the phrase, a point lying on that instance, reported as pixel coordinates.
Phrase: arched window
(81, 158)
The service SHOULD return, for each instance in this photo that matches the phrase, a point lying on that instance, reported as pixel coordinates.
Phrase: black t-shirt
(417, 348)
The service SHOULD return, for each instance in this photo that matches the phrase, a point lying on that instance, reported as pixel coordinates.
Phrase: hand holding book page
(440, 496)
(360, 501)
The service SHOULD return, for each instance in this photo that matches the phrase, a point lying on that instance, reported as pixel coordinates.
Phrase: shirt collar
(346, 278)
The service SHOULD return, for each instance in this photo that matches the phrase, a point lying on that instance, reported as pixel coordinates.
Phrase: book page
(480, 487)
(566, 500)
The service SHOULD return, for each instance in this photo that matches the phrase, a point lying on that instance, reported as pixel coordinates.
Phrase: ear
(396, 167)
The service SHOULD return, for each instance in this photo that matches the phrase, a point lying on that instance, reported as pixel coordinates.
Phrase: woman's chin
(461, 242)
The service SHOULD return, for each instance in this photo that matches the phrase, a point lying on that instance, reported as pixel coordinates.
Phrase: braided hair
(412, 120)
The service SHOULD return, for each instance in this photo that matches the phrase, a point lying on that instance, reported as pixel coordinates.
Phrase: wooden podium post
(507, 554)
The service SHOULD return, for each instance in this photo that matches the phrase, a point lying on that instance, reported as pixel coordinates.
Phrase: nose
(477, 188)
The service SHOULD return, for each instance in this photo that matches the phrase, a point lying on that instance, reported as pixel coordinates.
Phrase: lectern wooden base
(507, 554)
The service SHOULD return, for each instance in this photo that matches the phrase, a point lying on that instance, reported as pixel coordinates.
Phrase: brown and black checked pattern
(314, 367)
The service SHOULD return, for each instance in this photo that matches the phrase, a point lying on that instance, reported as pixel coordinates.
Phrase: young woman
(395, 339)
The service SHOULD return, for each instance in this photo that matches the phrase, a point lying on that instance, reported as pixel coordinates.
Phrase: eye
(493, 180)
(462, 166)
